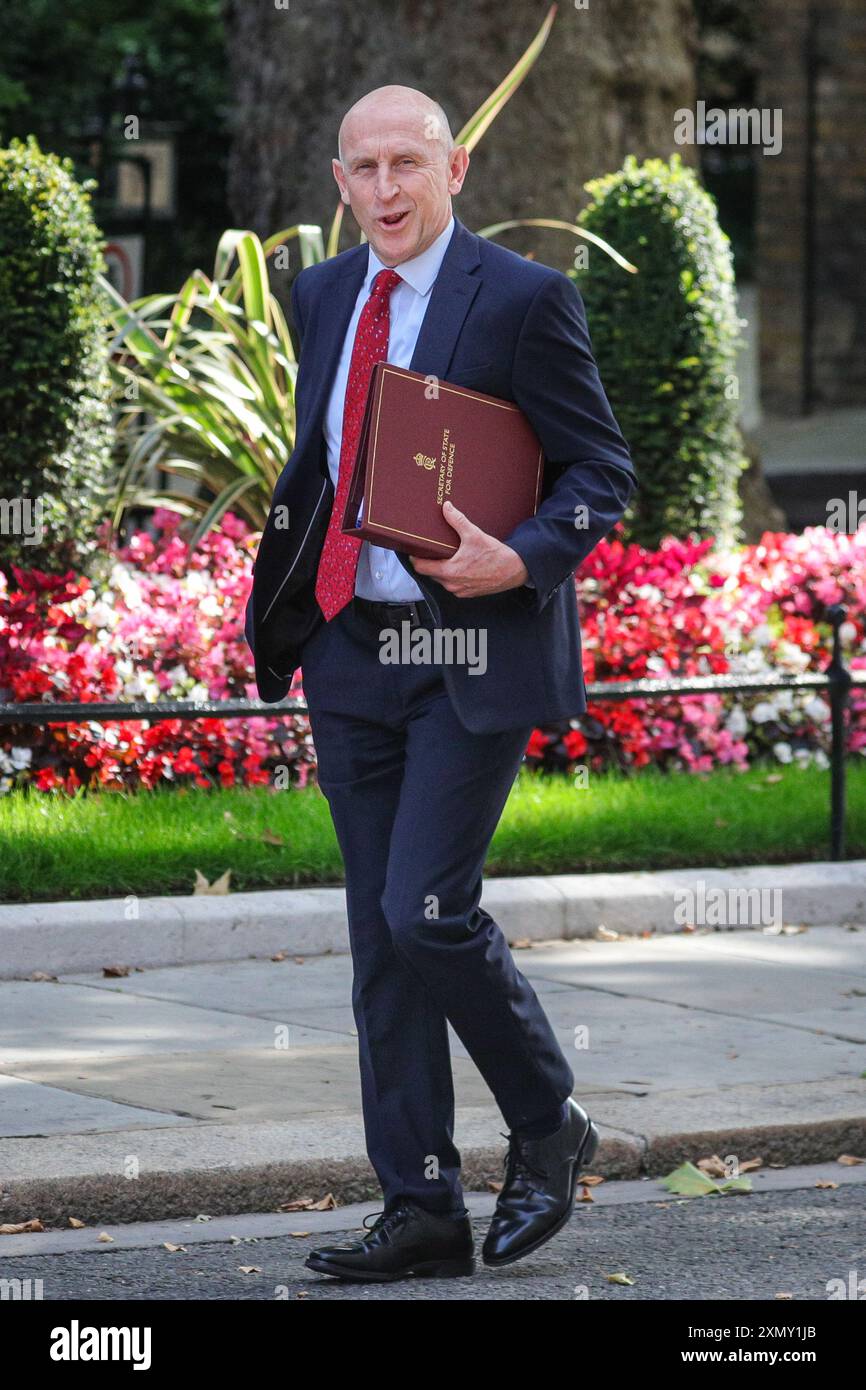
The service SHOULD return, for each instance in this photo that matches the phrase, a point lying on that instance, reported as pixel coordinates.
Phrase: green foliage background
(666, 341)
(58, 66)
(54, 387)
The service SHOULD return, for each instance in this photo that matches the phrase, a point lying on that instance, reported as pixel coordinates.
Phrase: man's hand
(480, 565)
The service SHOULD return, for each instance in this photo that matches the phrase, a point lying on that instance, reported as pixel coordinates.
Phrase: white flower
(761, 635)
(763, 712)
(21, 757)
(736, 723)
(817, 709)
(791, 655)
(783, 752)
(102, 616)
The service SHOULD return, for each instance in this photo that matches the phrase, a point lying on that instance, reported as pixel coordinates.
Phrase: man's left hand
(480, 565)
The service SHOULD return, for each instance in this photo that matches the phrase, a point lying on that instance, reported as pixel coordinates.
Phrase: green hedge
(55, 420)
(665, 340)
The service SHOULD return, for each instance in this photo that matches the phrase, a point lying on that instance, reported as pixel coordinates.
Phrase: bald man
(417, 759)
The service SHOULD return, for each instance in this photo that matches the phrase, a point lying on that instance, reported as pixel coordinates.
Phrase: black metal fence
(837, 679)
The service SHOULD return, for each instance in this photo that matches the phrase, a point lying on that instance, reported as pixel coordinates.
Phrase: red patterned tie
(338, 563)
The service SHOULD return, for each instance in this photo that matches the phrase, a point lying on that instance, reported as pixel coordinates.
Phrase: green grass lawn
(105, 846)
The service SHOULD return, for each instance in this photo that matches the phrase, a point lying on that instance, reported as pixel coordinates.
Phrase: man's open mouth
(394, 219)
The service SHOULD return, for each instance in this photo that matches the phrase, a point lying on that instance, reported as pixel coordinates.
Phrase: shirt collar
(419, 272)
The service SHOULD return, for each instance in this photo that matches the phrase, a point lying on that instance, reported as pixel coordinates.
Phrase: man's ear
(340, 176)
(458, 164)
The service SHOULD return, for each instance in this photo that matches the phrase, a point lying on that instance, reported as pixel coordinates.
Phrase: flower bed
(170, 626)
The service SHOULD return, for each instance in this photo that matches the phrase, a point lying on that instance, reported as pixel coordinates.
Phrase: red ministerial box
(423, 440)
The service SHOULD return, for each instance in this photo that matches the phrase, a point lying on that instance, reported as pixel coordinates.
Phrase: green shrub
(55, 420)
(665, 341)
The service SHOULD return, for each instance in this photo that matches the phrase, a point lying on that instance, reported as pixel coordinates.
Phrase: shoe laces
(515, 1160)
(384, 1220)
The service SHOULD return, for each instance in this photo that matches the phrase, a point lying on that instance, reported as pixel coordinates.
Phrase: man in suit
(416, 761)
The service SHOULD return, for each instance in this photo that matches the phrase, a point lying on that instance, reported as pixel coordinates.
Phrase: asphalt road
(792, 1240)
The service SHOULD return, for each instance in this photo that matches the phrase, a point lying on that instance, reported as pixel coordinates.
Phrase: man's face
(398, 180)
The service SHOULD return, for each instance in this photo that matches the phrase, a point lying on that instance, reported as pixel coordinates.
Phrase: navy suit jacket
(512, 328)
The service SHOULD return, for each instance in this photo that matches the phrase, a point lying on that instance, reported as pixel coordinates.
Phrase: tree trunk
(607, 84)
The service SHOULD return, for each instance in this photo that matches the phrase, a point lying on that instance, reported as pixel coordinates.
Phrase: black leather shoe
(537, 1196)
(405, 1242)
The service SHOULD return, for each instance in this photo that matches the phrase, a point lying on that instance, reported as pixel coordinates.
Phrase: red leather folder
(423, 440)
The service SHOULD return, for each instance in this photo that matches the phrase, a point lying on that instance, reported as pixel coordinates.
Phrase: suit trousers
(415, 798)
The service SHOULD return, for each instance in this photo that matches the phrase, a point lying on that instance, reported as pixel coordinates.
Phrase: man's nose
(386, 183)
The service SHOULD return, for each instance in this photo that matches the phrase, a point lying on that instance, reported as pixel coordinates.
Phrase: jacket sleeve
(555, 381)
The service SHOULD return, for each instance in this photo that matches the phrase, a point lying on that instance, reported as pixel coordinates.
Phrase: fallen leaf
(689, 1181)
(76, 1224)
(619, 1279)
(115, 972)
(523, 944)
(774, 777)
(825, 1182)
(22, 1228)
(326, 1203)
(173, 1249)
(202, 1217)
(849, 1160)
(300, 1233)
(784, 1295)
(494, 1186)
(590, 1179)
(249, 1269)
(106, 1238)
(715, 1168)
(41, 976)
(279, 955)
(605, 934)
(219, 887)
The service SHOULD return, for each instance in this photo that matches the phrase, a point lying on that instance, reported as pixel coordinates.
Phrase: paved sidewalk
(232, 1087)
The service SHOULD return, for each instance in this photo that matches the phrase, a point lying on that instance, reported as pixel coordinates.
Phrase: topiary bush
(55, 420)
(665, 341)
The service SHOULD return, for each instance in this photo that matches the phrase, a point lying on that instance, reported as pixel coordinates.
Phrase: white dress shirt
(380, 574)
